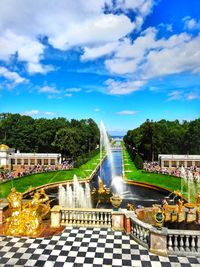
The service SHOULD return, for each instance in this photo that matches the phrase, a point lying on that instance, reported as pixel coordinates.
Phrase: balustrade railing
(183, 242)
(140, 231)
(86, 217)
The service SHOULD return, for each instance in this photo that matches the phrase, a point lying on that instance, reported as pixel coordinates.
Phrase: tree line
(71, 138)
(164, 137)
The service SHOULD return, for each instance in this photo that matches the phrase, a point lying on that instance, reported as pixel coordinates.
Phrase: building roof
(178, 157)
(4, 147)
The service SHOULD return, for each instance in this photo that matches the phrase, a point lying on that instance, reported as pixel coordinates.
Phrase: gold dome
(4, 147)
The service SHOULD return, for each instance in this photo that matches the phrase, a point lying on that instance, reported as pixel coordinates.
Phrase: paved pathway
(85, 247)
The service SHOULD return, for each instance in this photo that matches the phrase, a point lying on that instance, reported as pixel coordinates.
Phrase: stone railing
(61, 216)
(140, 231)
(183, 242)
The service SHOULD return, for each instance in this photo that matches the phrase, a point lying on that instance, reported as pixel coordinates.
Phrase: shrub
(138, 162)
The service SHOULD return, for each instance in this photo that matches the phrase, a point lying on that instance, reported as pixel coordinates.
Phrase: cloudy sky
(120, 61)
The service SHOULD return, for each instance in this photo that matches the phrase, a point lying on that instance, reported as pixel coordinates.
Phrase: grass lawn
(168, 182)
(22, 184)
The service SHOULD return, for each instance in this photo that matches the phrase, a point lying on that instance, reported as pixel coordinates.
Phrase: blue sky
(118, 61)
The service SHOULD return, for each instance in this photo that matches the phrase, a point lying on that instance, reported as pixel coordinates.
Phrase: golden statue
(101, 189)
(198, 199)
(130, 207)
(26, 219)
(180, 206)
(13, 224)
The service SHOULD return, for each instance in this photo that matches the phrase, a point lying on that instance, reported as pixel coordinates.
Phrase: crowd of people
(175, 171)
(22, 171)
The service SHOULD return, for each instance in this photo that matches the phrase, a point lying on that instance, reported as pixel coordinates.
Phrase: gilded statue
(26, 219)
(180, 206)
(101, 189)
(131, 207)
(13, 224)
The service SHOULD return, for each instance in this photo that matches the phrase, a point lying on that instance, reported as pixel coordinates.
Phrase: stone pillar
(22, 161)
(170, 163)
(177, 163)
(158, 241)
(42, 161)
(118, 220)
(127, 224)
(193, 163)
(162, 163)
(185, 163)
(49, 163)
(55, 217)
(29, 161)
(35, 161)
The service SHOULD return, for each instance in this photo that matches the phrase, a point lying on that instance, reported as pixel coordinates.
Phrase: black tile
(166, 264)
(135, 257)
(126, 263)
(99, 255)
(117, 256)
(74, 248)
(91, 249)
(193, 260)
(52, 258)
(146, 264)
(70, 259)
(101, 245)
(81, 254)
(21, 262)
(154, 258)
(108, 250)
(107, 262)
(64, 253)
(88, 260)
(173, 259)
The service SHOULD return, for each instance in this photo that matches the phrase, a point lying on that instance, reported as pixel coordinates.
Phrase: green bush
(138, 162)
(84, 158)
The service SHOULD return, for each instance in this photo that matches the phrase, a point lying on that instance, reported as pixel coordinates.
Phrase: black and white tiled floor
(85, 247)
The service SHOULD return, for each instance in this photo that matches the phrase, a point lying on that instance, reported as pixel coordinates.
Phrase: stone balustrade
(183, 242)
(140, 231)
(81, 217)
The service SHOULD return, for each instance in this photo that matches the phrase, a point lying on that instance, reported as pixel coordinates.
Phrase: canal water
(136, 195)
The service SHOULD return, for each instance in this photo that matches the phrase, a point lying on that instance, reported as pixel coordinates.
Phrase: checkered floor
(84, 247)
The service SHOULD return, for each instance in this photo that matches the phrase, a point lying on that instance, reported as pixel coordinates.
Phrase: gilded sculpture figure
(26, 219)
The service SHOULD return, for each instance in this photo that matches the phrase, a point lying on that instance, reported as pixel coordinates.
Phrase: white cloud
(68, 95)
(175, 95)
(181, 95)
(191, 23)
(91, 53)
(97, 110)
(149, 57)
(73, 90)
(49, 90)
(192, 96)
(122, 88)
(12, 76)
(75, 23)
(127, 112)
(35, 112)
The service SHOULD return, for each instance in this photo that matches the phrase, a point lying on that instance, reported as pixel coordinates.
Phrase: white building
(178, 160)
(9, 159)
